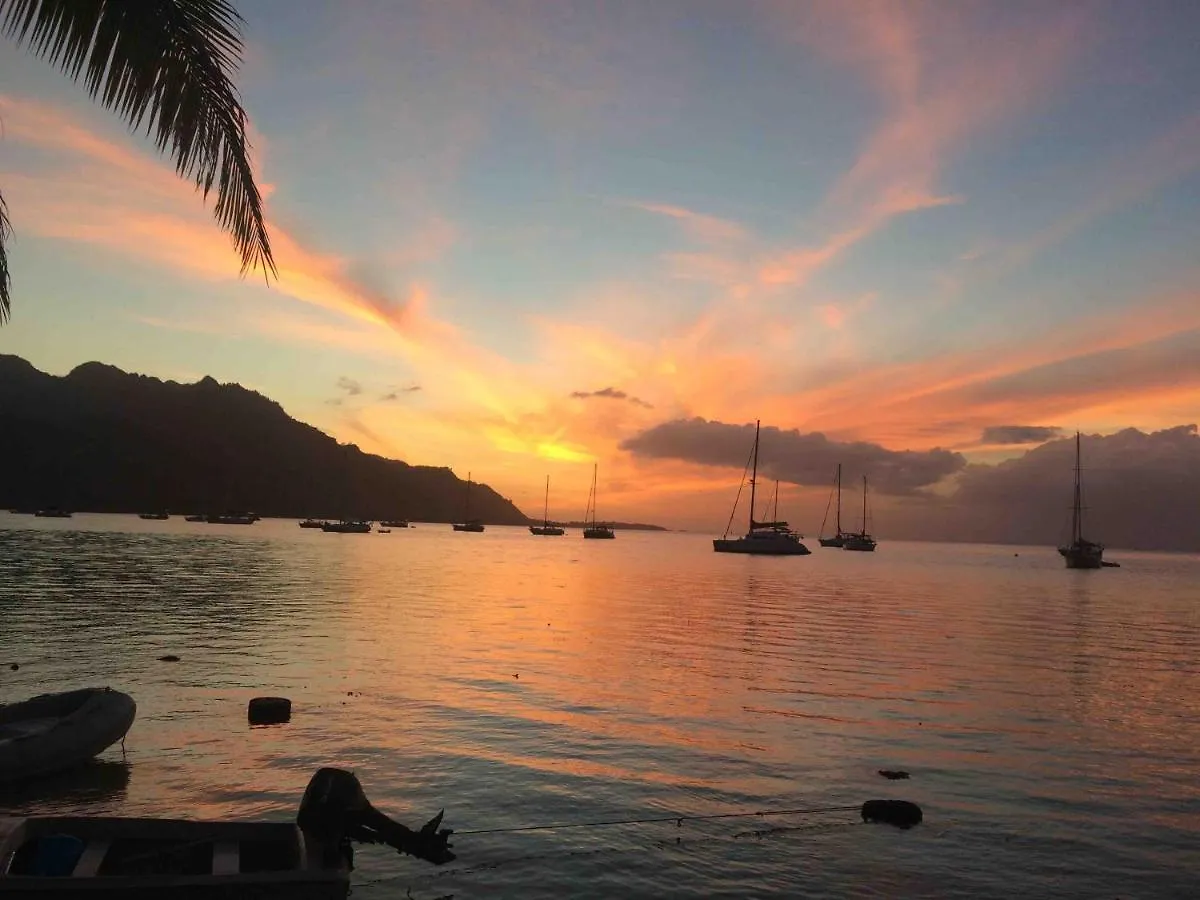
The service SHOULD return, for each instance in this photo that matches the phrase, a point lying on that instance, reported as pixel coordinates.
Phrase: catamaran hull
(546, 531)
(759, 548)
(832, 542)
(475, 529)
(598, 534)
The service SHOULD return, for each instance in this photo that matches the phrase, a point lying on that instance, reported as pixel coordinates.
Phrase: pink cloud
(704, 227)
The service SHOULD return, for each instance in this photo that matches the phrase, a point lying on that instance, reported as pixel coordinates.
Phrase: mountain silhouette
(103, 440)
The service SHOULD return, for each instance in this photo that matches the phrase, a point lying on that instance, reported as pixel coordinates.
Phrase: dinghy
(146, 859)
(60, 731)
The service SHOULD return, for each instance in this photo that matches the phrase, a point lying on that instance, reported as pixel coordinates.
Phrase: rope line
(658, 819)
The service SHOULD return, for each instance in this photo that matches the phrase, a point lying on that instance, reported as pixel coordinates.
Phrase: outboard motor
(334, 810)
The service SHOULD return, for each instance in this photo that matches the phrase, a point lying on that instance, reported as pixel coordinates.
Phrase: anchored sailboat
(839, 538)
(595, 531)
(860, 540)
(546, 529)
(1080, 553)
(762, 538)
(468, 524)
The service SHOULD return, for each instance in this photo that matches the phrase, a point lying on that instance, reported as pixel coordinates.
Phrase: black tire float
(269, 710)
(900, 813)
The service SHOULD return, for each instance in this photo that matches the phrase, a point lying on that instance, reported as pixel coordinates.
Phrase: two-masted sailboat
(762, 538)
(546, 529)
(468, 524)
(839, 538)
(1080, 553)
(595, 530)
(860, 540)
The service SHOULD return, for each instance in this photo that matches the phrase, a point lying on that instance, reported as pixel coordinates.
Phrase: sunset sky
(519, 237)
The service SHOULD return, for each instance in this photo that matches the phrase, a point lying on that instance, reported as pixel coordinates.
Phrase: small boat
(233, 518)
(546, 529)
(52, 512)
(1080, 553)
(347, 526)
(313, 523)
(154, 516)
(197, 518)
(762, 538)
(597, 530)
(385, 531)
(394, 523)
(860, 540)
(838, 538)
(53, 732)
(468, 524)
(103, 858)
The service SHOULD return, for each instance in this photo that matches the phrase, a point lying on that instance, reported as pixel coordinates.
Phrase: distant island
(619, 526)
(103, 440)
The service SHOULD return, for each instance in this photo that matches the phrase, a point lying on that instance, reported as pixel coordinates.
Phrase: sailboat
(1080, 553)
(596, 531)
(546, 529)
(860, 540)
(839, 538)
(468, 524)
(763, 538)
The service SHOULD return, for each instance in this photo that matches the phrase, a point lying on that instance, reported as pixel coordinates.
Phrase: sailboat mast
(864, 518)
(467, 506)
(595, 468)
(754, 473)
(1077, 506)
(546, 508)
(775, 511)
(839, 499)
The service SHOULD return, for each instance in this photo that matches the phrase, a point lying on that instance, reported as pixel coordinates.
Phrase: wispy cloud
(701, 226)
(350, 386)
(1019, 434)
(611, 393)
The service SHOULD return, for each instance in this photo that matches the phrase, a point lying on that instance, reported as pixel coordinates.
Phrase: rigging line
(828, 503)
(737, 499)
(658, 819)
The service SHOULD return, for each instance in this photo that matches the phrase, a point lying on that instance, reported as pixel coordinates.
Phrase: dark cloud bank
(806, 459)
(1142, 490)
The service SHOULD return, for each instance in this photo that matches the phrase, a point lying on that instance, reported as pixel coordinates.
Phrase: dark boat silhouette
(597, 530)
(860, 540)
(839, 538)
(1080, 553)
(347, 526)
(547, 529)
(467, 523)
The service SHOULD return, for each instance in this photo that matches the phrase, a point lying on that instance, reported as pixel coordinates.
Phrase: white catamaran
(762, 538)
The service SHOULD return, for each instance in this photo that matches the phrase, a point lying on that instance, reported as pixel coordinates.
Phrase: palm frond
(5, 233)
(166, 64)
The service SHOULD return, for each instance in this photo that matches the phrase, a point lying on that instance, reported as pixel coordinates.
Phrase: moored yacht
(762, 538)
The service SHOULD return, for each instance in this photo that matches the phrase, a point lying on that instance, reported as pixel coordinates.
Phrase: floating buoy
(15, 666)
(170, 657)
(900, 813)
(269, 710)
(893, 774)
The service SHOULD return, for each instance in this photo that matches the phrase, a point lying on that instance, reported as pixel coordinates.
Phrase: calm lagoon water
(1050, 719)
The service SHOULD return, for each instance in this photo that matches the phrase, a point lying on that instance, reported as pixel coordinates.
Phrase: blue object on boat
(57, 855)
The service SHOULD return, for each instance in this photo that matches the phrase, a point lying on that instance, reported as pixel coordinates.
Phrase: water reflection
(518, 681)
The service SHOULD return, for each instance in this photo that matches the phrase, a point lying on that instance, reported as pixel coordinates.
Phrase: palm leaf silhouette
(164, 65)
